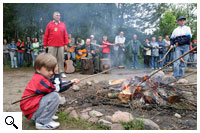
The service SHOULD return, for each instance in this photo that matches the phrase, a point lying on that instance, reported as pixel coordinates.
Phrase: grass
(134, 124)
(67, 123)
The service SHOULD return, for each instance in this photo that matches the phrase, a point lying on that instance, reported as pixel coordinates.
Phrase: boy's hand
(56, 69)
(76, 81)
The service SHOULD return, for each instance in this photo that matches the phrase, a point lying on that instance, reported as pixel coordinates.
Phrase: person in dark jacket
(180, 38)
(147, 53)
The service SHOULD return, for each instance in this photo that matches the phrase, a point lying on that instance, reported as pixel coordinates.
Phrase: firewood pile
(139, 91)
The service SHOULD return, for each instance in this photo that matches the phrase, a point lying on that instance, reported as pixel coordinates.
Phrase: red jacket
(106, 46)
(20, 47)
(39, 84)
(55, 35)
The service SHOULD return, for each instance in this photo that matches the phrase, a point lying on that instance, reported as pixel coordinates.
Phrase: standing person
(35, 50)
(5, 52)
(56, 39)
(134, 50)
(161, 51)
(106, 47)
(20, 51)
(169, 57)
(147, 53)
(181, 37)
(118, 49)
(194, 53)
(12, 49)
(41, 45)
(28, 51)
(46, 83)
(154, 53)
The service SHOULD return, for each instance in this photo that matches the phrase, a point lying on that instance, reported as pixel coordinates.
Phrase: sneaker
(16, 67)
(63, 75)
(50, 125)
(55, 117)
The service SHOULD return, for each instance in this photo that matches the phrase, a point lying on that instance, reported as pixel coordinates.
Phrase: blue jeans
(20, 59)
(13, 59)
(154, 62)
(34, 55)
(160, 57)
(179, 67)
(195, 59)
(135, 60)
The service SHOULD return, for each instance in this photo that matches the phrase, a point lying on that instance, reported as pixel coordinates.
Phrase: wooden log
(105, 64)
(87, 66)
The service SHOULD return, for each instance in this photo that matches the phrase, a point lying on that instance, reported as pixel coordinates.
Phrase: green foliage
(167, 24)
(134, 124)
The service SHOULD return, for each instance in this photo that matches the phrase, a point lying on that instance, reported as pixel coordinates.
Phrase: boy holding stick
(42, 107)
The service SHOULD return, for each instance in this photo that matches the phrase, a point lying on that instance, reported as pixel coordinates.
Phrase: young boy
(106, 47)
(42, 107)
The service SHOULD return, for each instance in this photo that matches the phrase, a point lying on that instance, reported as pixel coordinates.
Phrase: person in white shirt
(180, 39)
(118, 49)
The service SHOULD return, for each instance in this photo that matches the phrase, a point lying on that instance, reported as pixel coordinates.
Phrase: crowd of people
(49, 67)
(152, 50)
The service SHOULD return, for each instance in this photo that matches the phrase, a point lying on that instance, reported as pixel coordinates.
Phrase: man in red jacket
(56, 39)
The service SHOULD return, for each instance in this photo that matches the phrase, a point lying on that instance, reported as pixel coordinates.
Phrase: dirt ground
(15, 81)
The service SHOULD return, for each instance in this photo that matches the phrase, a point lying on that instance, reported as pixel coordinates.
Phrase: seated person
(90, 53)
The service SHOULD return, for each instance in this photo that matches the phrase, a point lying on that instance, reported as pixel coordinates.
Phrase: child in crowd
(42, 107)
(12, 50)
(20, 51)
(35, 49)
(106, 47)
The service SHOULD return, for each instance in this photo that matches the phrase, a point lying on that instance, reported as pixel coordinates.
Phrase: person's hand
(176, 44)
(65, 48)
(93, 52)
(171, 46)
(76, 81)
(56, 69)
(45, 47)
(80, 53)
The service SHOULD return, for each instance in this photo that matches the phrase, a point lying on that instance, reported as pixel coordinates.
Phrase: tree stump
(105, 65)
(87, 66)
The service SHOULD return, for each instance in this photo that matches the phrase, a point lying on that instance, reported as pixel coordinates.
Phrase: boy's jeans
(179, 66)
(13, 59)
(161, 55)
(20, 59)
(154, 62)
(47, 108)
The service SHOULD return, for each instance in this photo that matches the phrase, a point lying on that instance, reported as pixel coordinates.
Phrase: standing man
(162, 51)
(28, 51)
(56, 39)
(180, 39)
(119, 48)
(134, 50)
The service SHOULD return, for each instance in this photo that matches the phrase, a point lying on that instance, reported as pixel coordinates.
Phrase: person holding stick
(46, 83)
(181, 37)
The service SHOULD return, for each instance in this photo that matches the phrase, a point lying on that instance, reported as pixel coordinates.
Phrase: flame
(156, 93)
(139, 88)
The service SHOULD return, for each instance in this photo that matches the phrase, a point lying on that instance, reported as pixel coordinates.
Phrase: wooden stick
(165, 55)
(178, 79)
(167, 65)
(66, 84)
